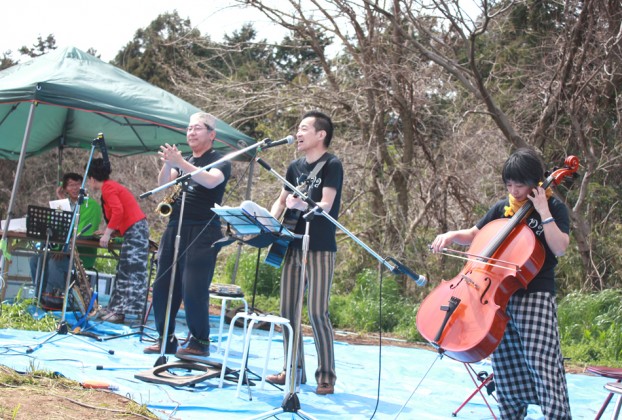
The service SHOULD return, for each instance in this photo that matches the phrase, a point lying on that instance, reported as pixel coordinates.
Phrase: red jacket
(120, 207)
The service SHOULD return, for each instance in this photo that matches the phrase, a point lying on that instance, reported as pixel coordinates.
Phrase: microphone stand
(265, 143)
(41, 266)
(291, 403)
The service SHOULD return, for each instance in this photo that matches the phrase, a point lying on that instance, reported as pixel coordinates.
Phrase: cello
(465, 318)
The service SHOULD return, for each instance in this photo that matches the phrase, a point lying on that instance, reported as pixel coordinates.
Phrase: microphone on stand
(402, 269)
(99, 141)
(85, 228)
(269, 143)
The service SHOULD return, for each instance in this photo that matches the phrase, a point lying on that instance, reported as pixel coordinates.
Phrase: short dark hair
(99, 170)
(71, 176)
(524, 166)
(322, 122)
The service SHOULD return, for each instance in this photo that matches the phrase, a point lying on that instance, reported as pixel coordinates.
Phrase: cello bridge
(470, 282)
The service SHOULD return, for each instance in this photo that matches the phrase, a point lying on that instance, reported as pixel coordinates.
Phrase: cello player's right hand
(441, 241)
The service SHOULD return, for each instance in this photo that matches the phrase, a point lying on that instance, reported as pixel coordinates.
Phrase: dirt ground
(28, 396)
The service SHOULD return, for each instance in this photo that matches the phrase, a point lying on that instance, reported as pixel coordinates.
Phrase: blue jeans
(55, 272)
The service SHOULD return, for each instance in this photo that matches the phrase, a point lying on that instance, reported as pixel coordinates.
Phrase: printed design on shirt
(535, 226)
(314, 182)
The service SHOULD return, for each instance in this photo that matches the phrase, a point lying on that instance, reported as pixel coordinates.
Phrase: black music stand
(250, 224)
(51, 225)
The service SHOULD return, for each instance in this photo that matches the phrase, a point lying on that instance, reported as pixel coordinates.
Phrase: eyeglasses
(199, 127)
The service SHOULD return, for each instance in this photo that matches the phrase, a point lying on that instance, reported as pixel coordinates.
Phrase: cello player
(528, 363)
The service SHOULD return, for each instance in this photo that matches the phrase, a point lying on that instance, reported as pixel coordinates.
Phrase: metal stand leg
(484, 384)
(291, 403)
(143, 318)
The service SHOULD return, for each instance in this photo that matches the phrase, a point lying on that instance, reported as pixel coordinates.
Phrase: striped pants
(319, 278)
(528, 363)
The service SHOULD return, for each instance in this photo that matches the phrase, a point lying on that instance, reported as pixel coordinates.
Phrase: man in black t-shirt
(199, 230)
(314, 135)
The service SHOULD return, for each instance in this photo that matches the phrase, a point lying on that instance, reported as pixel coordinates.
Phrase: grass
(591, 327)
(18, 315)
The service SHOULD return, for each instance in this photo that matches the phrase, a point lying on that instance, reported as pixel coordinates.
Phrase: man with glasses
(200, 229)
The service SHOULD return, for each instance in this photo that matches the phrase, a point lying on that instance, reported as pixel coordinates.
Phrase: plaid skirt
(528, 364)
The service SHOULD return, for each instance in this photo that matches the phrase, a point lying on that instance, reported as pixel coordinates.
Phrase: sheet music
(260, 213)
(15, 225)
(241, 219)
(238, 219)
(60, 204)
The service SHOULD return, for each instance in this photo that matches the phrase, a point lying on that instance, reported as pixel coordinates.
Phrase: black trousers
(195, 269)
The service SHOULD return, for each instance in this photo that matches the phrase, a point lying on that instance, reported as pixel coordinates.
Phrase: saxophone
(81, 287)
(165, 207)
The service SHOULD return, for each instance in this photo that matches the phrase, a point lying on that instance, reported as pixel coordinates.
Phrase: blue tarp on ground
(403, 391)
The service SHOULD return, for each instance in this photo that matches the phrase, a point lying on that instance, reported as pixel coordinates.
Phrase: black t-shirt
(545, 279)
(200, 200)
(321, 230)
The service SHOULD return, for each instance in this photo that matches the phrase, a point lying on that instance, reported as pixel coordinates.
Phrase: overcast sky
(110, 24)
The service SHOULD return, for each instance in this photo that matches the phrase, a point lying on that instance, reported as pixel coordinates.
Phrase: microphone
(264, 164)
(402, 269)
(269, 143)
(85, 228)
(99, 140)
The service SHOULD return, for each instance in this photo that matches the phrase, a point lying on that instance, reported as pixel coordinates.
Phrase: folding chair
(612, 373)
(486, 381)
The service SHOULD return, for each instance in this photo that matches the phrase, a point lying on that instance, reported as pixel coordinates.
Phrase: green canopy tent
(73, 96)
(66, 97)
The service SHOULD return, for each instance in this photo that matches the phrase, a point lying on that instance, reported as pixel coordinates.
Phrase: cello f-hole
(488, 281)
(453, 286)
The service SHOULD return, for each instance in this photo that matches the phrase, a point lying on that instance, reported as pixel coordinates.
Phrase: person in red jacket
(123, 216)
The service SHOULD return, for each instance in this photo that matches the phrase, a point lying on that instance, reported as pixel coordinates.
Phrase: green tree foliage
(167, 42)
(41, 47)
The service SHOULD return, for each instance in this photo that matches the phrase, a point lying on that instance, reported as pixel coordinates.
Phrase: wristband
(548, 220)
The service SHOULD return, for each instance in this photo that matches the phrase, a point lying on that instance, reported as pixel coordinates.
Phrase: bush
(359, 311)
(591, 327)
(268, 277)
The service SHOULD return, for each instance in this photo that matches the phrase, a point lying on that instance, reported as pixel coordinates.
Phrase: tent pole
(9, 213)
(247, 196)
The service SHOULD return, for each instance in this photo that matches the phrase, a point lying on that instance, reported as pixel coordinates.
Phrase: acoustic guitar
(276, 252)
